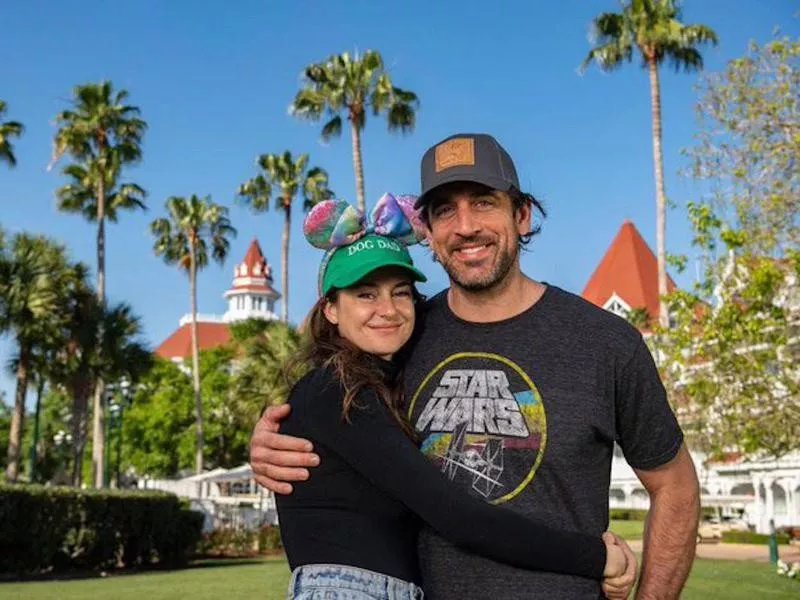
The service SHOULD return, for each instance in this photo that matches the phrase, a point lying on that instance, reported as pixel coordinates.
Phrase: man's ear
(331, 313)
(523, 216)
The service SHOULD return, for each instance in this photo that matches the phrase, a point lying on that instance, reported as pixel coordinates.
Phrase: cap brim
(493, 182)
(345, 280)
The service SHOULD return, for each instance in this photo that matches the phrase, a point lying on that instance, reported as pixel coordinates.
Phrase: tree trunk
(198, 401)
(661, 201)
(18, 418)
(358, 165)
(287, 221)
(35, 440)
(80, 405)
(98, 408)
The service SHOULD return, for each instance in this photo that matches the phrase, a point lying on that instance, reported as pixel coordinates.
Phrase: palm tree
(8, 130)
(281, 170)
(653, 27)
(354, 84)
(195, 228)
(96, 343)
(31, 275)
(102, 134)
(266, 368)
(79, 195)
(73, 370)
(41, 370)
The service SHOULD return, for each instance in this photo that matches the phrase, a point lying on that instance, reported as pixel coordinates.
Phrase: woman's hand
(620, 572)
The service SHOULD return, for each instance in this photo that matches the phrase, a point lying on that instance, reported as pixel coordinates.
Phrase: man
(519, 390)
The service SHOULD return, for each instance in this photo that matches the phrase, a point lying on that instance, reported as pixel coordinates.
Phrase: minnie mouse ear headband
(357, 244)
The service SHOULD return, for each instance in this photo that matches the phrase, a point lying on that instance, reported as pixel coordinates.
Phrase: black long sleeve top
(361, 504)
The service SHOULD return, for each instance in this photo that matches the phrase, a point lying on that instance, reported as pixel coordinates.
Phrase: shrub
(233, 542)
(229, 541)
(708, 511)
(269, 539)
(53, 528)
(627, 514)
(748, 537)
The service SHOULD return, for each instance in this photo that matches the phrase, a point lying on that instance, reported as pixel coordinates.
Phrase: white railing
(201, 318)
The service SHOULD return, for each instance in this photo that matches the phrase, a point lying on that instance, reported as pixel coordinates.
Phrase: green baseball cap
(349, 264)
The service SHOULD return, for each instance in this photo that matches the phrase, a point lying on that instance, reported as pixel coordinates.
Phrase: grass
(267, 580)
(207, 580)
(737, 580)
(630, 530)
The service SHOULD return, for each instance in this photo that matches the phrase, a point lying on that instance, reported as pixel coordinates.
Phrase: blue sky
(214, 79)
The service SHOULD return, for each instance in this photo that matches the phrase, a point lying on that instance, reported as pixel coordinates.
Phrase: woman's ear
(330, 312)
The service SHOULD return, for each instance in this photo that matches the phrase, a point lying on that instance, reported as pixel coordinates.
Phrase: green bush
(627, 514)
(53, 528)
(229, 541)
(748, 537)
(233, 542)
(708, 511)
(269, 539)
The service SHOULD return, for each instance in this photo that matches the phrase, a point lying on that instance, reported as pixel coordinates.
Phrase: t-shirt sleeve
(647, 430)
(373, 444)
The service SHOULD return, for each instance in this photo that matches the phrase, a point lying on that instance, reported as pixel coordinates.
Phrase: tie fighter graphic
(485, 465)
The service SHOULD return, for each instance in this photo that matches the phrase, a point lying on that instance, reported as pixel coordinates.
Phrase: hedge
(637, 514)
(748, 537)
(627, 514)
(232, 542)
(56, 528)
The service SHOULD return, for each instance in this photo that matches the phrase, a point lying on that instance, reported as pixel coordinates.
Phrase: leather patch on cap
(455, 153)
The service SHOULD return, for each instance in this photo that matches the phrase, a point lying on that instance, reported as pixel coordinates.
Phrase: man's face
(474, 232)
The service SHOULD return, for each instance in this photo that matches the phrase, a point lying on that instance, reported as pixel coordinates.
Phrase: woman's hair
(355, 369)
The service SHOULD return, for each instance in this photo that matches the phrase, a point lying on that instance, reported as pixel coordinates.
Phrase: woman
(350, 530)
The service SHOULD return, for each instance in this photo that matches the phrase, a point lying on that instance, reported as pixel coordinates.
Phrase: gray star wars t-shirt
(524, 413)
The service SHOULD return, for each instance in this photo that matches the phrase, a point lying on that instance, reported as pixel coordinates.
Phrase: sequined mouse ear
(333, 223)
(414, 216)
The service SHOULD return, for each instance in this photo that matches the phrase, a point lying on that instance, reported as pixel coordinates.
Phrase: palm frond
(332, 128)
(255, 193)
(8, 130)
(609, 56)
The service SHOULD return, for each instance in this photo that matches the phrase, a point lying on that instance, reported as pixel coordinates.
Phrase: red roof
(255, 258)
(629, 269)
(179, 344)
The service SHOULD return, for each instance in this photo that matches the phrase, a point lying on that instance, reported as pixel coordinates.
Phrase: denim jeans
(341, 582)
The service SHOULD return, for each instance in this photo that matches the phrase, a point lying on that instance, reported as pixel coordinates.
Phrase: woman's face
(376, 314)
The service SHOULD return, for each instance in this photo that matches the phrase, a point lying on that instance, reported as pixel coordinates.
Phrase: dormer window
(616, 307)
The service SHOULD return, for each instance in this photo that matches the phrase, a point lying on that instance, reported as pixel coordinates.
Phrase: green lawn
(267, 580)
(630, 530)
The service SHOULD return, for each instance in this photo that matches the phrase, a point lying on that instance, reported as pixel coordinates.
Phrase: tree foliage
(731, 359)
(748, 147)
(354, 85)
(8, 131)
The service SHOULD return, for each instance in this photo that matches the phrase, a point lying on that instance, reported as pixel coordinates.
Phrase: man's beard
(498, 272)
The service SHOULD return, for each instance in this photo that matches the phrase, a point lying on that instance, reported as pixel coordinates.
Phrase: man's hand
(619, 588)
(275, 458)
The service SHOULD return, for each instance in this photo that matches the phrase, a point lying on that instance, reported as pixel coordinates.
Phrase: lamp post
(116, 411)
(62, 439)
(127, 397)
(108, 398)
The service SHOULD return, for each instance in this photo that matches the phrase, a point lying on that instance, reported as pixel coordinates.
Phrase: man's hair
(518, 200)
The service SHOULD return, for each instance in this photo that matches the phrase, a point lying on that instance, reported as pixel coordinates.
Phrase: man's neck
(511, 297)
